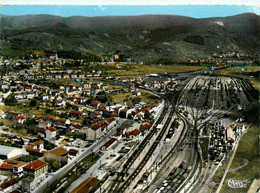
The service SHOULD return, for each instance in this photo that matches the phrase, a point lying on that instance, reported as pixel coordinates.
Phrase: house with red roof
(95, 114)
(96, 120)
(73, 152)
(62, 122)
(35, 145)
(20, 119)
(36, 152)
(94, 104)
(146, 125)
(134, 133)
(50, 133)
(13, 114)
(123, 113)
(8, 186)
(95, 131)
(123, 79)
(104, 86)
(50, 119)
(79, 100)
(43, 124)
(6, 167)
(118, 135)
(34, 173)
(94, 89)
(86, 85)
(60, 103)
(111, 123)
(86, 91)
(44, 97)
(17, 166)
(76, 113)
(39, 118)
(59, 154)
(41, 133)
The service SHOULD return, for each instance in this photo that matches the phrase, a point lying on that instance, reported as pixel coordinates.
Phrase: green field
(128, 99)
(24, 108)
(136, 69)
(14, 53)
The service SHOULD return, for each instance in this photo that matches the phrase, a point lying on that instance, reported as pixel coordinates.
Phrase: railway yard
(171, 158)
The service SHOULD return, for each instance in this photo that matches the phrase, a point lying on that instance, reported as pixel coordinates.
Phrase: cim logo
(236, 183)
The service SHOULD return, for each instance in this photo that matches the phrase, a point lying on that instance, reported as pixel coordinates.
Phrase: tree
(48, 145)
(31, 122)
(33, 103)
(56, 165)
(48, 111)
(136, 100)
(10, 100)
(147, 115)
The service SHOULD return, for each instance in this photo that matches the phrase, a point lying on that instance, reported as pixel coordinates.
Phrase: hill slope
(145, 38)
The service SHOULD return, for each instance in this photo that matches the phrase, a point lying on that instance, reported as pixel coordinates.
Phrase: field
(14, 53)
(128, 98)
(248, 149)
(24, 108)
(249, 72)
(136, 69)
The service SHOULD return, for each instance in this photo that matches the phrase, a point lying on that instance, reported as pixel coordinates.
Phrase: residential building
(94, 132)
(34, 174)
(50, 133)
(9, 186)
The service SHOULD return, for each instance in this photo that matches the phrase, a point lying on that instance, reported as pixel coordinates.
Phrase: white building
(7, 152)
(50, 133)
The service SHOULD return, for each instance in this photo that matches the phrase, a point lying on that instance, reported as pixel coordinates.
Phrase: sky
(196, 11)
(132, 2)
(191, 8)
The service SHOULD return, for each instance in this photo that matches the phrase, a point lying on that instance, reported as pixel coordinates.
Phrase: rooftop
(87, 185)
(5, 150)
(35, 165)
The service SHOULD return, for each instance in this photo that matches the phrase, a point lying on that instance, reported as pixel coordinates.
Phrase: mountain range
(143, 38)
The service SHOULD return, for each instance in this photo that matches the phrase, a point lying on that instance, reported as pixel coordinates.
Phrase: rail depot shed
(7, 152)
(89, 185)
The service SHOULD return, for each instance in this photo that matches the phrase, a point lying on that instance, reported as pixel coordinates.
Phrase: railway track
(148, 154)
(127, 165)
(171, 156)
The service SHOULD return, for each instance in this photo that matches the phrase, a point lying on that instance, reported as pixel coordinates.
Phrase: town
(66, 129)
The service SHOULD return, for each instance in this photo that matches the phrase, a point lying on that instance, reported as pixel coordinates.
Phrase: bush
(33, 103)
(10, 100)
(136, 100)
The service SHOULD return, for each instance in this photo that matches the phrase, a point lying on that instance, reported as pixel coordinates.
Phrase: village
(43, 129)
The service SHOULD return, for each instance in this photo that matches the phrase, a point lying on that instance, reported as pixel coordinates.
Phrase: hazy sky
(132, 2)
(197, 11)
